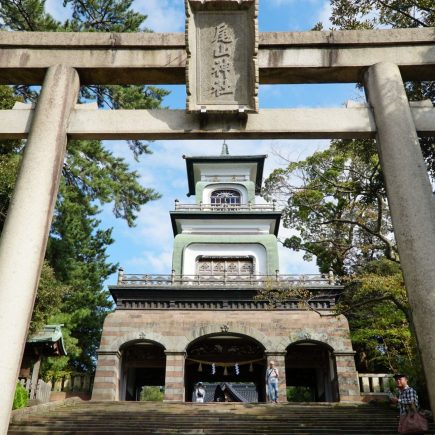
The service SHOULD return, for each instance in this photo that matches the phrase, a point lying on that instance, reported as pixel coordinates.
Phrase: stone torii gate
(381, 59)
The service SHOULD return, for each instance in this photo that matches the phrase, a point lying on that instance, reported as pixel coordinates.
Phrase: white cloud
(163, 15)
(325, 14)
(155, 264)
(292, 263)
(57, 11)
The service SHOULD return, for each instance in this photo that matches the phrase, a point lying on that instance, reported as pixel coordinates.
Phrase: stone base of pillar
(106, 382)
(174, 378)
(347, 377)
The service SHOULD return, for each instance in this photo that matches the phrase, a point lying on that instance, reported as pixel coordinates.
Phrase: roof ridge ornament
(225, 151)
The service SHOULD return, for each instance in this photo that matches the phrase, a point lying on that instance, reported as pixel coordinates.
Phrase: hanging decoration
(225, 365)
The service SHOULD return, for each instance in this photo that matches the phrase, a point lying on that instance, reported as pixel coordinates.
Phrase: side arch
(311, 371)
(136, 337)
(322, 343)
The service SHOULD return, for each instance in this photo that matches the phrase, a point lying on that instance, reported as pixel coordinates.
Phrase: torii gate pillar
(411, 202)
(25, 233)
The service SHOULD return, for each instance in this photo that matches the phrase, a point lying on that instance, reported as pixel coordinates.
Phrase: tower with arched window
(205, 322)
(225, 232)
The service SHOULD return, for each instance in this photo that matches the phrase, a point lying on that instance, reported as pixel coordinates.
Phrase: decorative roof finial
(225, 151)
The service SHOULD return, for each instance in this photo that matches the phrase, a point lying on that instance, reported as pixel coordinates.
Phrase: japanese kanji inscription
(222, 45)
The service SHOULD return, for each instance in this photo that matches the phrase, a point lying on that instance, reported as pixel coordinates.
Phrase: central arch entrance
(143, 366)
(311, 374)
(235, 360)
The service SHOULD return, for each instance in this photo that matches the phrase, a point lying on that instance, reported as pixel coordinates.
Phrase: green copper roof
(49, 334)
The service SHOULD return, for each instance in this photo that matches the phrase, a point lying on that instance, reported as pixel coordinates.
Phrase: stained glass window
(225, 197)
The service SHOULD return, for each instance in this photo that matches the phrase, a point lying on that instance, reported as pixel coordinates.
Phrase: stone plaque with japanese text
(222, 46)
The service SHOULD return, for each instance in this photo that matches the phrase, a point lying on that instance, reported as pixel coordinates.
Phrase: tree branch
(392, 252)
(399, 11)
(22, 11)
(391, 298)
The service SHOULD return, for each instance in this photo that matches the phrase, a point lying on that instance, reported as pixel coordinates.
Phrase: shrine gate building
(203, 323)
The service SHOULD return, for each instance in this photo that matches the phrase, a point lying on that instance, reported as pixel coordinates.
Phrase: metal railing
(225, 207)
(224, 178)
(226, 279)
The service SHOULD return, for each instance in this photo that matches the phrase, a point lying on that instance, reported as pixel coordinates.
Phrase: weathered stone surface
(285, 57)
(175, 330)
(177, 124)
(222, 47)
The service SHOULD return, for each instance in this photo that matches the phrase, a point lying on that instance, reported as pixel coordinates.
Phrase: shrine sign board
(222, 47)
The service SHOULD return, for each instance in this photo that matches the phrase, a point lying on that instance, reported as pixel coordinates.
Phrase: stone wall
(175, 330)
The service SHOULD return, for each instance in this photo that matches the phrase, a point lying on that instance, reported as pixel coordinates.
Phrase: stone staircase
(95, 418)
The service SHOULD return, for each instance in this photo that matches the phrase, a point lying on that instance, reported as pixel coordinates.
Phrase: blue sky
(147, 248)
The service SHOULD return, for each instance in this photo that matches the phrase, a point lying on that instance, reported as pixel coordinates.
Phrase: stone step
(95, 418)
(214, 431)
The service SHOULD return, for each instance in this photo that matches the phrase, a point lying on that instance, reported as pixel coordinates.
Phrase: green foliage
(371, 14)
(77, 252)
(152, 394)
(8, 171)
(97, 174)
(376, 306)
(92, 177)
(54, 368)
(51, 293)
(103, 16)
(300, 394)
(27, 15)
(276, 292)
(21, 398)
(335, 199)
(9, 157)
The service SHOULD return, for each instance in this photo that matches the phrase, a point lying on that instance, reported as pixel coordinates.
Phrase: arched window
(225, 197)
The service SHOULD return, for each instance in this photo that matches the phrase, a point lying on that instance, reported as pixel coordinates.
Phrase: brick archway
(136, 336)
(240, 329)
(232, 359)
(311, 371)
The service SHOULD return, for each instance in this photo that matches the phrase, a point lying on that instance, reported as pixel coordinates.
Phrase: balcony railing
(225, 279)
(375, 383)
(224, 178)
(223, 208)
